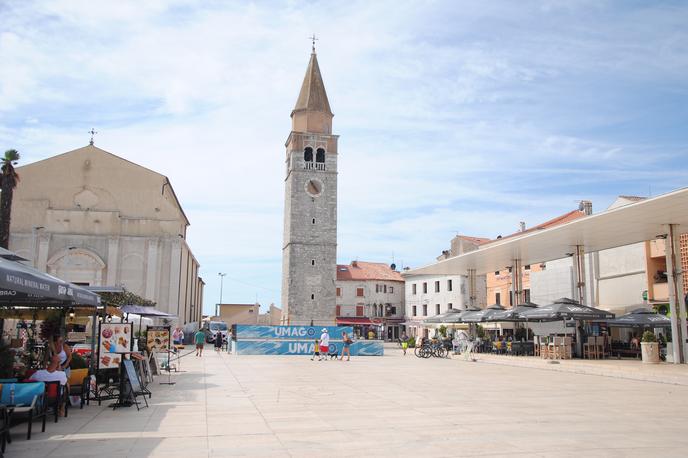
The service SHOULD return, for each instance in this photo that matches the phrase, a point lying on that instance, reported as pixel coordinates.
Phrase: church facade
(95, 219)
(309, 252)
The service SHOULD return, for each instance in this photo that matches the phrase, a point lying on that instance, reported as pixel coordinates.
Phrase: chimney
(354, 263)
(522, 224)
(586, 207)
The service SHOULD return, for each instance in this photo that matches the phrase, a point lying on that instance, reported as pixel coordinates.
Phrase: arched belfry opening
(308, 154)
(320, 155)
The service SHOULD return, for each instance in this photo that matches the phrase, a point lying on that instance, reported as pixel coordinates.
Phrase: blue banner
(305, 347)
(289, 332)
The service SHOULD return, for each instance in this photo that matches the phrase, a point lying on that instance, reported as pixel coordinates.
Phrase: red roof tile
(562, 219)
(360, 270)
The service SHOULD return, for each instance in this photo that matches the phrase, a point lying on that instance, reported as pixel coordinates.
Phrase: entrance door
(390, 333)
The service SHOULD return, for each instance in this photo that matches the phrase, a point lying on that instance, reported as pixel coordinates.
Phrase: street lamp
(222, 278)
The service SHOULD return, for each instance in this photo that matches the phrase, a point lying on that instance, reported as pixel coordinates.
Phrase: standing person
(175, 336)
(404, 342)
(199, 338)
(346, 340)
(218, 341)
(59, 348)
(316, 351)
(324, 342)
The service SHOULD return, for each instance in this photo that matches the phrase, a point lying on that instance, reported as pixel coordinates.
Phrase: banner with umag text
(305, 347)
(244, 332)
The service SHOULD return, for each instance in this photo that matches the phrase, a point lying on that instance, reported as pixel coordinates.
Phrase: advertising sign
(289, 332)
(112, 338)
(305, 347)
(158, 338)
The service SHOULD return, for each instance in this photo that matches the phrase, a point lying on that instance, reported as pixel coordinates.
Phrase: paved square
(229, 405)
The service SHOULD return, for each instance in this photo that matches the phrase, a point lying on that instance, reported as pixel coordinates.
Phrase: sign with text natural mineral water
(244, 332)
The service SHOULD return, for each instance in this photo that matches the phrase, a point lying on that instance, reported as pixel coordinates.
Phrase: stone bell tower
(309, 252)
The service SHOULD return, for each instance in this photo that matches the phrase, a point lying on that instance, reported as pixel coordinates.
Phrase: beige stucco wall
(91, 217)
(239, 313)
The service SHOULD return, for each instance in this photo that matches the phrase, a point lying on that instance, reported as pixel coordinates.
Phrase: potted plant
(649, 348)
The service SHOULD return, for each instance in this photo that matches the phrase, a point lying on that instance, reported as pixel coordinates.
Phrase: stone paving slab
(226, 405)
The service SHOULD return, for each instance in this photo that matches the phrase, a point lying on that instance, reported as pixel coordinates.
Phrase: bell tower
(309, 251)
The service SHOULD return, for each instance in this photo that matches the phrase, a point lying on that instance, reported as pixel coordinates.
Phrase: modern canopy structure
(656, 217)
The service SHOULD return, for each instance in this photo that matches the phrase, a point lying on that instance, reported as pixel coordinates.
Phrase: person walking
(404, 342)
(199, 338)
(218, 341)
(346, 340)
(324, 342)
(316, 351)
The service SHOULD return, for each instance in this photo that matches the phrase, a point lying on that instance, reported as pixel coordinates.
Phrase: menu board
(112, 338)
(158, 338)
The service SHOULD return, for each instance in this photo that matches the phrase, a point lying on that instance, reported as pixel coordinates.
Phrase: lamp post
(222, 278)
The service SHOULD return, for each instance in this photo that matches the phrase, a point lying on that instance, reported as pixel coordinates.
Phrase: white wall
(348, 299)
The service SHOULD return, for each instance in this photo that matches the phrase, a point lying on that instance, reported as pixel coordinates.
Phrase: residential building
(95, 219)
(309, 253)
(237, 314)
(370, 295)
(273, 317)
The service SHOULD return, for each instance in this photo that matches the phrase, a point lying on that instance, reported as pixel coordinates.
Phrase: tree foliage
(125, 298)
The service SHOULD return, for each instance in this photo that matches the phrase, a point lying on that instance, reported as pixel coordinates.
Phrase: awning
(357, 320)
(24, 285)
(565, 309)
(143, 310)
(482, 315)
(642, 317)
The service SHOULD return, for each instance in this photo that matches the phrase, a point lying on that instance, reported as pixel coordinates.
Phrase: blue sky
(454, 116)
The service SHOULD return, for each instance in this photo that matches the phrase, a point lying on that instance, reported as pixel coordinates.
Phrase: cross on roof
(92, 132)
(313, 40)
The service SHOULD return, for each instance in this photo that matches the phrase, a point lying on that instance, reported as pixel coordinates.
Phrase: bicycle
(427, 350)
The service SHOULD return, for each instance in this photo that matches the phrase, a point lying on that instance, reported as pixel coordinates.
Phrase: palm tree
(8, 181)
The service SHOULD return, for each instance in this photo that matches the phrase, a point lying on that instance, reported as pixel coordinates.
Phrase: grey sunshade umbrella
(443, 317)
(513, 314)
(641, 318)
(20, 278)
(565, 309)
(457, 317)
(482, 315)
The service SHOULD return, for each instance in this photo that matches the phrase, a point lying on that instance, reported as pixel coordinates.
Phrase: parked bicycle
(428, 349)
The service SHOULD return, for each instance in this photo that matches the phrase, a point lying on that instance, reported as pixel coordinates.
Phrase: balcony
(660, 291)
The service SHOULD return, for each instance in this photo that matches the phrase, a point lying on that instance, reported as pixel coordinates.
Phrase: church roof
(313, 96)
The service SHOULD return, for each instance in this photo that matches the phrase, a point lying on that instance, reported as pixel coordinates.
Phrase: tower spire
(313, 96)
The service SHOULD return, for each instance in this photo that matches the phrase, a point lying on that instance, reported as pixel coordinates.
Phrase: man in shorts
(199, 338)
(324, 342)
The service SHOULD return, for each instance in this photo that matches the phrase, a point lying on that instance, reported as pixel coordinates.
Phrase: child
(316, 351)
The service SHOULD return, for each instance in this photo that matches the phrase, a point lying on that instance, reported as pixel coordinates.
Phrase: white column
(677, 303)
(175, 266)
(112, 261)
(151, 269)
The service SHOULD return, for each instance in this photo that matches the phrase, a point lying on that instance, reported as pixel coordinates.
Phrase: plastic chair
(29, 401)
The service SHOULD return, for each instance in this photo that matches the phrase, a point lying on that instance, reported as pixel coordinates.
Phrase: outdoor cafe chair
(4, 428)
(29, 403)
(590, 348)
(600, 346)
(566, 349)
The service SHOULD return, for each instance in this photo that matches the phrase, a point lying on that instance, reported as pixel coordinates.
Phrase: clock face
(314, 187)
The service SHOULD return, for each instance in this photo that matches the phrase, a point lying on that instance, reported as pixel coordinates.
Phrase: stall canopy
(513, 314)
(482, 315)
(565, 309)
(24, 285)
(641, 318)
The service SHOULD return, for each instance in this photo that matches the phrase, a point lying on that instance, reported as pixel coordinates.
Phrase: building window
(413, 289)
(392, 310)
(313, 221)
(339, 292)
(391, 289)
(339, 309)
(497, 272)
(437, 309)
(526, 295)
(414, 311)
(425, 309)
(377, 288)
(449, 285)
(359, 310)
(312, 262)
(511, 298)
(308, 154)
(527, 267)
(384, 287)
(437, 286)
(450, 306)
(312, 296)
(359, 292)
(425, 288)
(498, 298)
(320, 155)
